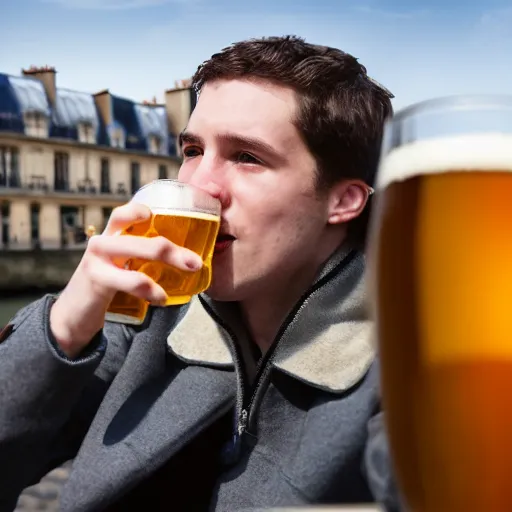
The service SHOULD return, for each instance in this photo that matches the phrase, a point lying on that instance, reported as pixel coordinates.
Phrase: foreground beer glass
(441, 277)
(185, 215)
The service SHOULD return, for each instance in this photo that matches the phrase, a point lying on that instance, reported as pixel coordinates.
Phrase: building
(67, 158)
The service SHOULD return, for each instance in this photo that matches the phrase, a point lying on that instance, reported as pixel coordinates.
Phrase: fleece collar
(328, 342)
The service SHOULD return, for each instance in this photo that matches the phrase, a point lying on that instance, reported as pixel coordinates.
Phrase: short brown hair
(341, 111)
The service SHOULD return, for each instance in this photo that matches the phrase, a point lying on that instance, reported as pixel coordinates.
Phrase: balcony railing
(38, 184)
(10, 181)
(87, 186)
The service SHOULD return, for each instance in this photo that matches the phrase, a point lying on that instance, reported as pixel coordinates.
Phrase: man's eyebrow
(233, 139)
(249, 143)
(190, 138)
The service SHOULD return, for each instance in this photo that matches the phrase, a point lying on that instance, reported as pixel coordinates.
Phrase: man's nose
(206, 178)
(220, 193)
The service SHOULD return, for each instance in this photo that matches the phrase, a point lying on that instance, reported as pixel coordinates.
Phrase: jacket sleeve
(47, 401)
(378, 466)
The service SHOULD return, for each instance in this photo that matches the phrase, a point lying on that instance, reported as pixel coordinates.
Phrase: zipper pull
(242, 422)
(232, 449)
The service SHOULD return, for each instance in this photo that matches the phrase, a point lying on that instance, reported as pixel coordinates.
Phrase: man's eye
(247, 158)
(191, 151)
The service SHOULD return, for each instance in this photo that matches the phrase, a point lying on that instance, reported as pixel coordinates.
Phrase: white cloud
(109, 5)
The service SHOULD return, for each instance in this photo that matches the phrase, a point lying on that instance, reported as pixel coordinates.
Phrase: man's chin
(222, 291)
(219, 297)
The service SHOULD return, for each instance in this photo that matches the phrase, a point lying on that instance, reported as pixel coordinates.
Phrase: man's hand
(79, 312)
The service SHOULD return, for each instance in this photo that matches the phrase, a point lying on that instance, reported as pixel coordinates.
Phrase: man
(262, 392)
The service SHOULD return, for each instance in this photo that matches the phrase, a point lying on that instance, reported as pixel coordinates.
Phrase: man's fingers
(122, 248)
(129, 281)
(126, 215)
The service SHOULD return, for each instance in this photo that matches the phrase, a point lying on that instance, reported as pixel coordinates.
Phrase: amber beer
(441, 269)
(194, 227)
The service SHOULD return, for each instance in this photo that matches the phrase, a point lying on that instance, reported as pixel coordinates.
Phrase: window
(135, 177)
(3, 167)
(69, 224)
(5, 211)
(36, 124)
(9, 167)
(15, 178)
(162, 172)
(86, 133)
(107, 212)
(105, 176)
(155, 144)
(117, 138)
(34, 224)
(61, 171)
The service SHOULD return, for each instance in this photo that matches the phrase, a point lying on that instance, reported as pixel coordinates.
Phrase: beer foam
(192, 214)
(471, 152)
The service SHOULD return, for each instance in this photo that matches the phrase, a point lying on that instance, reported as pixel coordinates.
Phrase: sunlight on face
(241, 140)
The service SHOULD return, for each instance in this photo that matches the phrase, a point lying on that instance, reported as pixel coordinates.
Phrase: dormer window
(155, 145)
(117, 139)
(86, 133)
(36, 124)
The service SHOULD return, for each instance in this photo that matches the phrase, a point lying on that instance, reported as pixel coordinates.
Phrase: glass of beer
(185, 215)
(441, 277)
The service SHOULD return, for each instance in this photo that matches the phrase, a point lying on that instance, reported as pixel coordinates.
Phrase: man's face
(241, 144)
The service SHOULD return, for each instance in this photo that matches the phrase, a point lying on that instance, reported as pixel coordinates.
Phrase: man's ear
(347, 200)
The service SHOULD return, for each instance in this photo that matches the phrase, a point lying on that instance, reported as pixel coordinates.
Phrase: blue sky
(137, 48)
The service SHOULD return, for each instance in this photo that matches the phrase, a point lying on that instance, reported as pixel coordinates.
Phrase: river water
(9, 306)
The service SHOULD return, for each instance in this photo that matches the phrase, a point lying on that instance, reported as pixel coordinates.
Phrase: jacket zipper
(264, 367)
(231, 452)
(244, 403)
(242, 422)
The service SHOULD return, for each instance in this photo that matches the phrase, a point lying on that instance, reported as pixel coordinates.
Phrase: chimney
(179, 103)
(152, 103)
(103, 101)
(47, 75)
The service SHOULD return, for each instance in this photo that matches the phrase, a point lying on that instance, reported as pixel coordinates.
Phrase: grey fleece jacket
(309, 432)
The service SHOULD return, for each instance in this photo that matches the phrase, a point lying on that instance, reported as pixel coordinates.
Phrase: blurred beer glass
(185, 215)
(441, 277)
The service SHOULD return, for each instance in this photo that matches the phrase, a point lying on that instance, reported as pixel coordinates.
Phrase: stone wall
(31, 270)
(45, 495)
